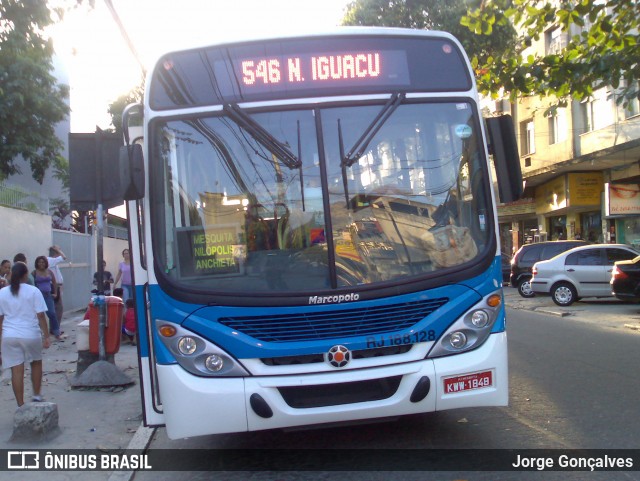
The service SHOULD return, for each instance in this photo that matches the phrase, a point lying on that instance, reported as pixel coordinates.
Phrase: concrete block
(86, 358)
(35, 421)
(82, 336)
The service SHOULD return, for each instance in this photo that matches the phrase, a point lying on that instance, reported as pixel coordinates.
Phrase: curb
(553, 313)
(140, 442)
(635, 327)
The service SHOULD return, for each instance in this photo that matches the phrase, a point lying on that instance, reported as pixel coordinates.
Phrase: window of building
(555, 41)
(587, 108)
(527, 137)
(558, 126)
(599, 111)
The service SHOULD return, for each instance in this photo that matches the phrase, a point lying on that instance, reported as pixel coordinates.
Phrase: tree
(31, 101)
(602, 48)
(117, 106)
(433, 15)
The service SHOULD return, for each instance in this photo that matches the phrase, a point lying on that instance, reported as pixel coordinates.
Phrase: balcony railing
(20, 198)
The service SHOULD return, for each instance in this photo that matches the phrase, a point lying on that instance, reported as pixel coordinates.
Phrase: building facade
(580, 166)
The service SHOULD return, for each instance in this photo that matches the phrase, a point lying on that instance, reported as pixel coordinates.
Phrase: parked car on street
(583, 271)
(625, 280)
(528, 255)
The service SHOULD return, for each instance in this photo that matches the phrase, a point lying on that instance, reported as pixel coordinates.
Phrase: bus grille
(302, 397)
(331, 324)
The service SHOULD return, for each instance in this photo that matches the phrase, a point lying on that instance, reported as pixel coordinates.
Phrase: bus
(313, 232)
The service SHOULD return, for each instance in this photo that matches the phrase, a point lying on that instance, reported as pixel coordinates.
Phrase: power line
(125, 35)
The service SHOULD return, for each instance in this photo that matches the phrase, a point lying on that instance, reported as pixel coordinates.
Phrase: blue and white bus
(314, 233)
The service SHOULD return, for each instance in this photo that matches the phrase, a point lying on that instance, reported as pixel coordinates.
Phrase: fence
(80, 250)
(19, 198)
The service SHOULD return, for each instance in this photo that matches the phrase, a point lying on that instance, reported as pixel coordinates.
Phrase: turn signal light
(494, 300)
(167, 331)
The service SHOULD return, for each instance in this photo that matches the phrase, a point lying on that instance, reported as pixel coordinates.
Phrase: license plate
(468, 382)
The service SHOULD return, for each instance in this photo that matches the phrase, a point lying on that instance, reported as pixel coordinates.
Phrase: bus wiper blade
(361, 145)
(258, 132)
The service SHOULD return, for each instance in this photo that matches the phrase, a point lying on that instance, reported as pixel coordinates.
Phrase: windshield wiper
(279, 149)
(372, 129)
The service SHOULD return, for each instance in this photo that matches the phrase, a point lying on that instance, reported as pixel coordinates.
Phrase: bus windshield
(315, 198)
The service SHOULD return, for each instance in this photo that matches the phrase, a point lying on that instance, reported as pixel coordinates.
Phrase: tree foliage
(602, 48)
(434, 15)
(135, 95)
(31, 101)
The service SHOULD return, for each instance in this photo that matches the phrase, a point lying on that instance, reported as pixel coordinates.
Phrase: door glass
(614, 255)
(591, 257)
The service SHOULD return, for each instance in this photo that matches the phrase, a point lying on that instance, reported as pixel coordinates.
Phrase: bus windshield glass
(316, 198)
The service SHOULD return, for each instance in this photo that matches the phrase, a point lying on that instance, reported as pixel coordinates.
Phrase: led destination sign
(307, 67)
(390, 67)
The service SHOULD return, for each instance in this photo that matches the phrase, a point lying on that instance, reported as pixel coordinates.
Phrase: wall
(31, 234)
(26, 232)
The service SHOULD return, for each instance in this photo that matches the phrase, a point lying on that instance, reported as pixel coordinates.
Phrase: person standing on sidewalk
(124, 273)
(56, 256)
(20, 257)
(24, 331)
(5, 273)
(46, 282)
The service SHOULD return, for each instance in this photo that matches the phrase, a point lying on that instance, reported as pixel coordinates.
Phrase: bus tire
(564, 294)
(524, 287)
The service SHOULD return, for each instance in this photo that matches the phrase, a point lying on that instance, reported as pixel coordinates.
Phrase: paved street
(608, 312)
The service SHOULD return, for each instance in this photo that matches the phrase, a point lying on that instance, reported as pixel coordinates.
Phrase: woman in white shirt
(24, 331)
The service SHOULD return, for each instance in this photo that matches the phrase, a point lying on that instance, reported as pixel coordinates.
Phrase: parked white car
(583, 271)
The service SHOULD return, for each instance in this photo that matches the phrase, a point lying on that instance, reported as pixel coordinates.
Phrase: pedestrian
(20, 257)
(46, 281)
(24, 331)
(124, 274)
(107, 279)
(5, 273)
(56, 257)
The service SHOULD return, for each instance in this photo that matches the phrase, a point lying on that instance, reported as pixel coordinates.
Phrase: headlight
(479, 318)
(187, 345)
(196, 354)
(458, 340)
(471, 329)
(214, 363)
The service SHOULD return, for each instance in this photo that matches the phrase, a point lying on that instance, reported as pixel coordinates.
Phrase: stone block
(35, 421)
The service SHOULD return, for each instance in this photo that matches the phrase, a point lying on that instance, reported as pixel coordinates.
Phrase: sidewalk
(609, 311)
(89, 418)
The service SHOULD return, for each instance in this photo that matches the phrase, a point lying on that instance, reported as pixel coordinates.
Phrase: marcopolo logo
(337, 299)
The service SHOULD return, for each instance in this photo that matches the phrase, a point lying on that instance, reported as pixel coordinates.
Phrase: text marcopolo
(337, 299)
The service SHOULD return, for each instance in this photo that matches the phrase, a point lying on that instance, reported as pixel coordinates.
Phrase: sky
(100, 67)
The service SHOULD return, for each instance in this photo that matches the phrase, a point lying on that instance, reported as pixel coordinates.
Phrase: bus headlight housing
(196, 354)
(187, 345)
(471, 329)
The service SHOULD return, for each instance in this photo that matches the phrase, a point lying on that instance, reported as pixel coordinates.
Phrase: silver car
(583, 271)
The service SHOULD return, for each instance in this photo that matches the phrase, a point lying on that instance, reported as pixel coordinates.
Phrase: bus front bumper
(196, 406)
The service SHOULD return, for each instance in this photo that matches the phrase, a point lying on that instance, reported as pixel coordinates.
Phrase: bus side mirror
(132, 171)
(504, 148)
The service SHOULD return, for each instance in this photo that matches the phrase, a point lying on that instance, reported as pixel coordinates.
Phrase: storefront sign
(585, 188)
(552, 195)
(622, 199)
